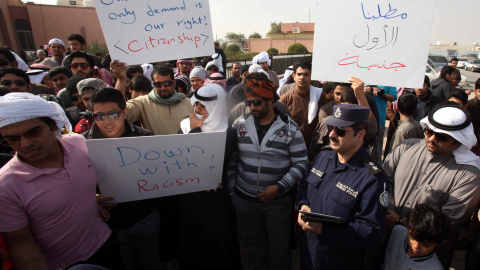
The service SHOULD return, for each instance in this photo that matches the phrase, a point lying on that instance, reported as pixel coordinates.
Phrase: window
(25, 36)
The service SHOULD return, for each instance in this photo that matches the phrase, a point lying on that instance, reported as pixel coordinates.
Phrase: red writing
(354, 60)
(136, 46)
(144, 186)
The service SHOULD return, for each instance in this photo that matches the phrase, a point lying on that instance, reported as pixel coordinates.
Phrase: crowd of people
(305, 166)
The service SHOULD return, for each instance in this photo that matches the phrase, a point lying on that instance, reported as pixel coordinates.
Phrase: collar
(95, 132)
(408, 120)
(353, 163)
(27, 173)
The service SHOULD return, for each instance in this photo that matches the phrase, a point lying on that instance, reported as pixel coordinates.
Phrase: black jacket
(441, 88)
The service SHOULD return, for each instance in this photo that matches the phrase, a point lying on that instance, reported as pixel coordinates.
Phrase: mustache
(334, 139)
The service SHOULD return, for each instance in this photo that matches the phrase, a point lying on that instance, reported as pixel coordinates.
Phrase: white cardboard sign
(145, 31)
(381, 42)
(138, 168)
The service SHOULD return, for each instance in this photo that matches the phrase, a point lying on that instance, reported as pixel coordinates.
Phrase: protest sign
(145, 31)
(381, 42)
(138, 168)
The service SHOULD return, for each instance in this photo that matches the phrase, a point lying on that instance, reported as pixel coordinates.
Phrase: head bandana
(213, 97)
(262, 57)
(36, 75)
(454, 121)
(18, 107)
(217, 78)
(56, 41)
(257, 68)
(259, 88)
(212, 63)
(218, 61)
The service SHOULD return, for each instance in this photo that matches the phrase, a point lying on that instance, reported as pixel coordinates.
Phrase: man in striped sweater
(271, 157)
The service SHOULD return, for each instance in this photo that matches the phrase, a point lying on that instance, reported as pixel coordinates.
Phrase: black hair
(477, 84)
(78, 38)
(50, 97)
(108, 95)
(453, 59)
(341, 84)
(428, 223)
(80, 54)
(8, 54)
(328, 87)
(303, 65)
(135, 69)
(98, 54)
(216, 43)
(163, 70)
(4, 90)
(407, 104)
(237, 63)
(49, 121)
(427, 80)
(58, 70)
(460, 95)
(15, 71)
(140, 83)
(359, 126)
(348, 96)
(446, 70)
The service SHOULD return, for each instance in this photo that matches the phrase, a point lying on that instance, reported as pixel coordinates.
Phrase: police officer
(345, 182)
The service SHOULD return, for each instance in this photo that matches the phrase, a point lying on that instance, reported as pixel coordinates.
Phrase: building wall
(50, 21)
(263, 44)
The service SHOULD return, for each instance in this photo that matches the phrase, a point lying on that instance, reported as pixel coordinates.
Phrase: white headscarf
(218, 61)
(147, 71)
(18, 107)
(287, 74)
(217, 109)
(21, 64)
(452, 116)
(257, 68)
(36, 75)
(261, 57)
(315, 94)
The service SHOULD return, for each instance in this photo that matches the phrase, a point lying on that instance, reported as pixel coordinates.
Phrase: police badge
(243, 130)
(338, 113)
(385, 197)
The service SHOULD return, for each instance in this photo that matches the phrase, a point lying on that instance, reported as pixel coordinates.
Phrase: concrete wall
(50, 21)
(263, 44)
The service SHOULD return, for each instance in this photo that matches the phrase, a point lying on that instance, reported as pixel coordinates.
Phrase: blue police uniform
(352, 191)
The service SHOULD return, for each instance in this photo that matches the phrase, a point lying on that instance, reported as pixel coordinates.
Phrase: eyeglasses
(113, 115)
(339, 131)
(32, 133)
(20, 83)
(74, 98)
(438, 136)
(82, 65)
(255, 102)
(165, 83)
(4, 63)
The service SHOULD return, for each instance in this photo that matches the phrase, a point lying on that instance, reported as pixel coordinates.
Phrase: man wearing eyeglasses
(15, 79)
(81, 64)
(86, 88)
(162, 110)
(270, 160)
(440, 170)
(344, 182)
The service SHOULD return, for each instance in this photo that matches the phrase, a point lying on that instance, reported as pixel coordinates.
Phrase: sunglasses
(82, 65)
(165, 83)
(20, 83)
(339, 131)
(113, 115)
(255, 102)
(4, 63)
(438, 136)
(32, 133)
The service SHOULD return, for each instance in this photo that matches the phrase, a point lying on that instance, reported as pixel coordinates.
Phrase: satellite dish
(439, 42)
(475, 44)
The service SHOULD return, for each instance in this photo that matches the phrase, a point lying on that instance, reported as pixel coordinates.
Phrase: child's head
(428, 228)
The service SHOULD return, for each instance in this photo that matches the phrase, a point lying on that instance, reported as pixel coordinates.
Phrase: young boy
(413, 247)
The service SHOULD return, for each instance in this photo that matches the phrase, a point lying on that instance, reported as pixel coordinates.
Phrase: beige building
(25, 27)
(292, 33)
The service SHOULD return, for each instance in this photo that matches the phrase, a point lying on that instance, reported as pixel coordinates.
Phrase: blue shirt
(351, 191)
(382, 103)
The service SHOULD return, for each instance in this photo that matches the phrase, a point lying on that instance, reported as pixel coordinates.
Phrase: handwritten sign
(145, 31)
(138, 168)
(381, 42)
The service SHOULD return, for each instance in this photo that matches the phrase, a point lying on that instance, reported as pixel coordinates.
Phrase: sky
(455, 21)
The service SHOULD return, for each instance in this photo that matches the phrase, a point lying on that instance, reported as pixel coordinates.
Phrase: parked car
(462, 61)
(439, 60)
(433, 72)
(473, 65)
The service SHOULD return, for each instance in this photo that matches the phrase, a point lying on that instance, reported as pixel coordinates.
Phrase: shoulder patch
(371, 165)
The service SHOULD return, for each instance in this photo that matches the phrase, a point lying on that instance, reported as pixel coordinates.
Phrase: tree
(297, 48)
(237, 37)
(223, 46)
(272, 51)
(255, 35)
(276, 28)
(234, 48)
(96, 47)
